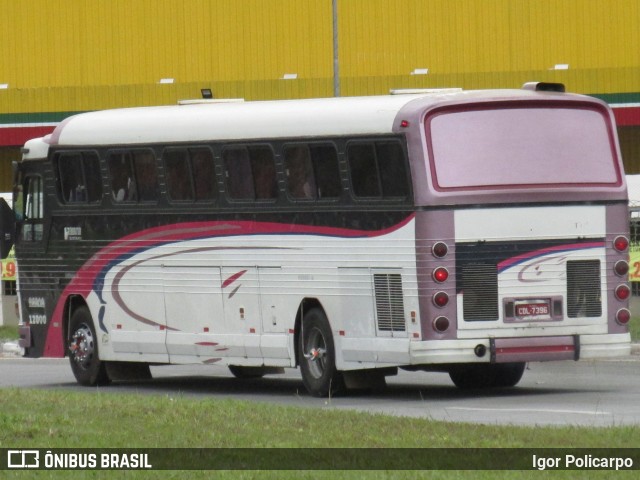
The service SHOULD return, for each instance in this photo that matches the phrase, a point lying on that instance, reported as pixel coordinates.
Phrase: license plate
(532, 309)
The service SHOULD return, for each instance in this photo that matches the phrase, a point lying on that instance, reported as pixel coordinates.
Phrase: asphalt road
(593, 393)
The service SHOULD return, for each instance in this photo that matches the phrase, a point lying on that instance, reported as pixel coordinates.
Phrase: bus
(467, 232)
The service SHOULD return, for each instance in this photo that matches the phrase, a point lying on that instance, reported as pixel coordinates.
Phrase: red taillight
(622, 292)
(440, 299)
(621, 268)
(621, 244)
(623, 316)
(439, 249)
(441, 324)
(440, 274)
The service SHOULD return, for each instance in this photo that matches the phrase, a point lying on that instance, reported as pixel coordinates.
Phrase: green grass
(55, 419)
(68, 419)
(9, 332)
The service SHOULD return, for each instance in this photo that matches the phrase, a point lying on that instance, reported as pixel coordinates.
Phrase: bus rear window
(520, 147)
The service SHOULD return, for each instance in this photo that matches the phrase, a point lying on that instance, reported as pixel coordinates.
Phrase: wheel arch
(72, 303)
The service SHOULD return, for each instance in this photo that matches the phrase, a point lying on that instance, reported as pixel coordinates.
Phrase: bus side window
(178, 175)
(378, 169)
(393, 173)
(92, 176)
(71, 178)
(363, 169)
(32, 227)
(203, 173)
(263, 168)
(122, 181)
(327, 171)
(237, 171)
(79, 177)
(301, 183)
(146, 174)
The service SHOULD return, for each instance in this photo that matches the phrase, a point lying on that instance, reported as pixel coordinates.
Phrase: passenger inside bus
(300, 179)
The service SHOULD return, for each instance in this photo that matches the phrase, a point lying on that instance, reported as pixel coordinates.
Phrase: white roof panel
(236, 120)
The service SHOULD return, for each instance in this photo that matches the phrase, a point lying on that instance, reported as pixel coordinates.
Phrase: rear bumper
(534, 349)
(605, 346)
(527, 349)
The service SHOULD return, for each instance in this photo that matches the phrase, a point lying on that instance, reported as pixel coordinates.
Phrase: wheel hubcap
(316, 353)
(81, 346)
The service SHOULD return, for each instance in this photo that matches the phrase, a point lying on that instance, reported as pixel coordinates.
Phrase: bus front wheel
(318, 356)
(83, 350)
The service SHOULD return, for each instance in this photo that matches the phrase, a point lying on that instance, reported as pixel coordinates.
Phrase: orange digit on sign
(634, 261)
(635, 275)
(8, 270)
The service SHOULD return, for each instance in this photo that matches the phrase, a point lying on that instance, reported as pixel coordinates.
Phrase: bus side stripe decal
(233, 278)
(91, 275)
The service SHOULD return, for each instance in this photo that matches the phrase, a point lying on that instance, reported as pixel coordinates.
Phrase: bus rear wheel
(318, 356)
(500, 375)
(246, 372)
(83, 350)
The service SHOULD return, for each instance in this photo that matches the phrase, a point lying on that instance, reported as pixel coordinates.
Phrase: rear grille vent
(389, 302)
(584, 297)
(480, 291)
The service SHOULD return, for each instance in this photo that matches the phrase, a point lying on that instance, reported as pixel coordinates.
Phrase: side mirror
(7, 228)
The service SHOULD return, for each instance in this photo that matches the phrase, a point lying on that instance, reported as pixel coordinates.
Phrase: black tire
(508, 374)
(83, 350)
(127, 371)
(472, 376)
(246, 372)
(318, 356)
(483, 375)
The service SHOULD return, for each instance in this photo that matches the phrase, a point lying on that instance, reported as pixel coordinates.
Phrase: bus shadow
(273, 387)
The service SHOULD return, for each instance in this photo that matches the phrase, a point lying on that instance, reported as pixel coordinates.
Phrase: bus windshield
(502, 148)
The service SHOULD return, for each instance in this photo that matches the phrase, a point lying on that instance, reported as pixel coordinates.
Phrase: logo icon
(23, 459)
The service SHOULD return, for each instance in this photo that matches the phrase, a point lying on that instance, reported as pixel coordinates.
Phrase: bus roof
(318, 117)
(234, 120)
(250, 120)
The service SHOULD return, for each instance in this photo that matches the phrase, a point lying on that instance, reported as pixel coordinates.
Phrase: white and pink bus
(467, 232)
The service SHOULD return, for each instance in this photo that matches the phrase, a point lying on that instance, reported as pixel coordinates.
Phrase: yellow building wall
(7, 156)
(65, 55)
(59, 43)
(72, 55)
(490, 43)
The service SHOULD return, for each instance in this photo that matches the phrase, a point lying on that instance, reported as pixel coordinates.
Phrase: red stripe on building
(17, 136)
(627, 116)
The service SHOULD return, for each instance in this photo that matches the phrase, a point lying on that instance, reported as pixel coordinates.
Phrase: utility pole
(336, 61)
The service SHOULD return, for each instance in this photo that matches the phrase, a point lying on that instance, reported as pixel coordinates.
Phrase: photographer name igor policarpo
(587, 462)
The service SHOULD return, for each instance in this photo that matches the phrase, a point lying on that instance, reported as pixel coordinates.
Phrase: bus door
(194, 314)
(241, 298)
(37, 284)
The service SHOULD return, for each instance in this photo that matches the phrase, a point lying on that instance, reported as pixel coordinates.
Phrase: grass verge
(52, 419)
